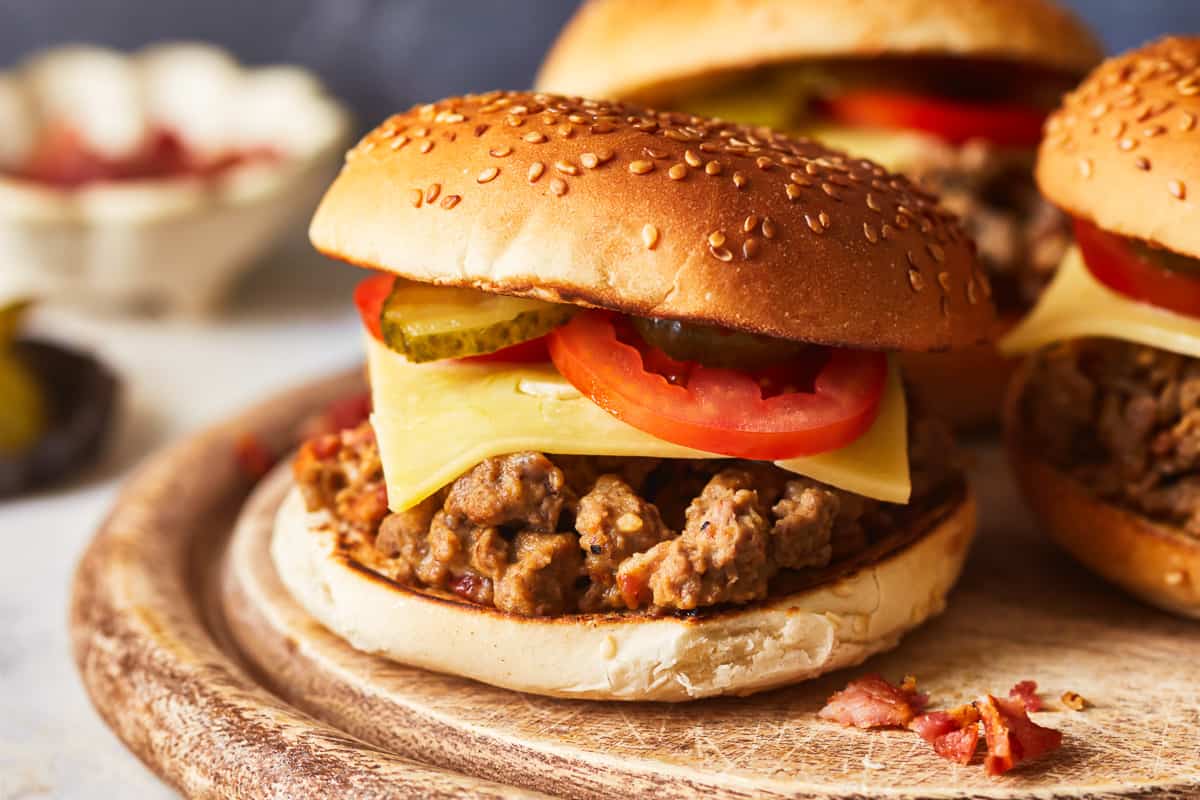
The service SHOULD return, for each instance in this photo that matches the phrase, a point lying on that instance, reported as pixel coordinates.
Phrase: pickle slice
(716, 347)
(10, 318)
(22, 406)
(431, 323)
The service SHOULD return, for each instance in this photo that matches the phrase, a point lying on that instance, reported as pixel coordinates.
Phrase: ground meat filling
(1021, 237)
(1124, 419)
(539, 535)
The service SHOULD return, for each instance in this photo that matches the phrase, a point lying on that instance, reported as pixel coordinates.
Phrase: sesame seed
(1142, 163)
(500, 152)
(398, 142)
(871, 234)
(915, 280)
(1157, 130)
(721, 253)
(1128, 144)
(514, 121)
(793, 191)
(566, 167)
(944, 281)
(677, 172)
(432, 192)
(824, 220)
(1188, 122)
(750, 223)
(1085, 167)
(912, 258)
(558, 187)
(1177, 189)
(566, 131)
(453, 118)
(481, 129)
(420, 133)
(535, 171)
(739, 180)
(415, 197)
(751, 248)
(814, 224)
(604, 155)
(937, 251)
(886, 231)
(692, 158)
(426, 146)
(641, 167)
(1174, 577)
(534, 137)
(1189, 86)
(601, 128)
(654, 154)
(716, 239)
(902, 222)
(712, 168)
(873, 203)
(450, 201)
(769, 229)
(487, 175)
(650, 236)
(764, 163)
(1099, 110)
(589, 160)
(972, 292)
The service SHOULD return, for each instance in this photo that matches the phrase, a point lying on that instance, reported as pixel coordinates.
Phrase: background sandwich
(636, 432)
(1103, 421)
(952, 93)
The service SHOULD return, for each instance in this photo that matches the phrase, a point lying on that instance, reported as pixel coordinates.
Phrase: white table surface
(291, 320)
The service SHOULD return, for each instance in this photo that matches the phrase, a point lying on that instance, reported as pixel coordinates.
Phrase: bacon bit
(1074, 701)
(1011, 736)
(467, 585)
(954, 734)
(253, 456)
(872, 702)
(1026, 692)
(634, 590)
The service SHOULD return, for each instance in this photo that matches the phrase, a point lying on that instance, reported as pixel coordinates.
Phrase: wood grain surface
(160, 676)
(156, 671)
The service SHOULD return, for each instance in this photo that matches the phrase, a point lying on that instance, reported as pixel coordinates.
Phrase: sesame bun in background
(1124, 150)
(685, 39)
(658, 215)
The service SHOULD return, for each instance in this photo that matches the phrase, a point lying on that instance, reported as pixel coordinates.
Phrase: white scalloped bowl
(174, 243)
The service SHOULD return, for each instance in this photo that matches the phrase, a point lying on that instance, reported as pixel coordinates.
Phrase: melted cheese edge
(1076, 305)
(435, 421)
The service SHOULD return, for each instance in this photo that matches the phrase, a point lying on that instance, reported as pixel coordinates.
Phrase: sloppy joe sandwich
(951, 92)
(1103, 420)
(639, 431)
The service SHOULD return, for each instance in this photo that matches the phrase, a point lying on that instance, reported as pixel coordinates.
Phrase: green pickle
(431, 323)
(716, 347)
(22, 406)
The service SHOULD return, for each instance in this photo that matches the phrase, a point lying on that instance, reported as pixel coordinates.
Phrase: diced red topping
(954, 734)
(1011, 736)
(872, 702)
(253, 456)
(1026, 692)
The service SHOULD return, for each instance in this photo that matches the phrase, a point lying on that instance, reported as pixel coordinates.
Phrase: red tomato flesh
(953, 121)
(822, 403)
(1112, 262)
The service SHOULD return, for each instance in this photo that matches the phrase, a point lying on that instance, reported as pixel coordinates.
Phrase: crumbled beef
(341, 472)
(720, 557)
(1124, 419)
(520, 489)
(1021, 237)
(614, 523)
(534, 534)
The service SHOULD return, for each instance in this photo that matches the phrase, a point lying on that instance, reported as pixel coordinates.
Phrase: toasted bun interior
(660, 215)
(613, 657)
(1149, 560)
(1124, 150)
(687, 38)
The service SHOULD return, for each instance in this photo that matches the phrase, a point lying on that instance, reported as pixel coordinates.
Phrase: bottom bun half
(963, 387)
(783, 640)
(1150, 560)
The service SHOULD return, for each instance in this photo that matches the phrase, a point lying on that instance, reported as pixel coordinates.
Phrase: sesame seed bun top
(1124, 150)
(654, 214)
(685, 39)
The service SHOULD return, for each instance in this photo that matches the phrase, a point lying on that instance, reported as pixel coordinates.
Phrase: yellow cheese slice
(1076, 305)
(436, 421)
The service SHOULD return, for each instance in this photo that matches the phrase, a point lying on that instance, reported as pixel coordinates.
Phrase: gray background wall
(385, 54)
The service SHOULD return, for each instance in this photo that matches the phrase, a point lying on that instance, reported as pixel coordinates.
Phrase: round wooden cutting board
(163, 622)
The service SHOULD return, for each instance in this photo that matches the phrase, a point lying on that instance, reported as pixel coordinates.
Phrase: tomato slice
(1112, 262)
(830, 402)
(954, 121)
(372, 292)
(369, 296)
